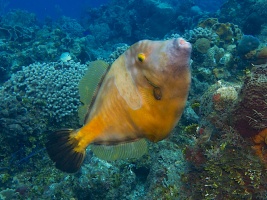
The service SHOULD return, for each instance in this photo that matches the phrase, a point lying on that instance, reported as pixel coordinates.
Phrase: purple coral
(250, 115)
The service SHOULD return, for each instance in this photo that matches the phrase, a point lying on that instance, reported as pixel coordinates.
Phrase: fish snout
(180, 52)
(181, 43)
(179, 56)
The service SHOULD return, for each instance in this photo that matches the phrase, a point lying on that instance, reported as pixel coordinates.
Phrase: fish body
(65, 57)
(142, 96)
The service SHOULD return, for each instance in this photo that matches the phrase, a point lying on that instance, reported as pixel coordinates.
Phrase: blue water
(56, 8)
(70, 8)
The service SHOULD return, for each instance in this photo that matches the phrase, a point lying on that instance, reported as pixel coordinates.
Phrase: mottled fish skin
(140, 99)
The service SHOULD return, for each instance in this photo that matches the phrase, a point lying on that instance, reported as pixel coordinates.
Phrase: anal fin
(133, 149)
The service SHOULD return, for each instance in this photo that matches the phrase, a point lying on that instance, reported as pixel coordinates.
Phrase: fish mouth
(179, 54)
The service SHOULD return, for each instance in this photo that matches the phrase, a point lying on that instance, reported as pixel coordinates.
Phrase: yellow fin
(120, 151)
(89, 85)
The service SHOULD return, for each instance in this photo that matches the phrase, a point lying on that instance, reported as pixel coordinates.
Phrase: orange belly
(114, 121)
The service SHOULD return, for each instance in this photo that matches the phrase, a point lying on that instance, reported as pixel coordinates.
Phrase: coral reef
(23, 41)
(52, 88)
(217, 102)
(217, 151)
(252, 18)
(70, 27)
(249, 117)
(36, 99)
(202, 45)
(246, 44)
(222, 151)
(227, 32)
(224, 96)
(260, 144)
(221, 171)
(200, 32)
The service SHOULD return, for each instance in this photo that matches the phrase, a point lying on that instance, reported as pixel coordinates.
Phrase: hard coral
(257, 56)
(261, 56)
(224, 96)
(202, 45)
(51, 88)
(249, 117)
(227, 32)
(218, 99)
(247, 44)
(208, 23)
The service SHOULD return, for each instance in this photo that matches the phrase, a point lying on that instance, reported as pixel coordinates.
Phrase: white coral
(227, 93)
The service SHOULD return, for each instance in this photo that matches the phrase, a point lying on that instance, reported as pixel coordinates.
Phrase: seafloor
(217, 151)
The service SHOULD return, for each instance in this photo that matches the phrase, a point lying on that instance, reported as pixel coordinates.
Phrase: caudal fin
(61, 149)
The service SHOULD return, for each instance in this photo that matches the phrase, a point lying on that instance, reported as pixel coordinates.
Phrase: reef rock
(250, 115)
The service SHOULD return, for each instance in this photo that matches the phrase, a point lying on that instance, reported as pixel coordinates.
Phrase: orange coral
(257, 56)
(261, 56)
(262, 53)
(260, 146)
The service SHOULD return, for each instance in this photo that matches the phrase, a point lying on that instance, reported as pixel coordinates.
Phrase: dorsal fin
(134, 149)
(89, 86)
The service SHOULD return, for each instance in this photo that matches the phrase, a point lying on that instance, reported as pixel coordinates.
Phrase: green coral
(5, 177)
(195, 106)
(191, 129)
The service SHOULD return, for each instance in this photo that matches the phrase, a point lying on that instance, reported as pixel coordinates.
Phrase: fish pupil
(141, 57)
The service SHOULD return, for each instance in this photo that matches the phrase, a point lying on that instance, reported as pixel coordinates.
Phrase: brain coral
(202, 45)
(250, 115)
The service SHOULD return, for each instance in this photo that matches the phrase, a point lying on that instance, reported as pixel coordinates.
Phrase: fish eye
(141, 57)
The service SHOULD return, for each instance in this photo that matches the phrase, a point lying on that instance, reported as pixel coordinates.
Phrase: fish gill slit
(156, 90)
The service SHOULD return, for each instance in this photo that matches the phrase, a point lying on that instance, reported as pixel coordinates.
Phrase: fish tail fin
(62, 149)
